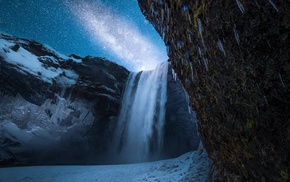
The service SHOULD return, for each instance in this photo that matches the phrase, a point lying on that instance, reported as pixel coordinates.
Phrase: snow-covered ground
(192, 166)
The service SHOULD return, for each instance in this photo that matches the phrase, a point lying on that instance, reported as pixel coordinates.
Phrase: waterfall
(139, 132)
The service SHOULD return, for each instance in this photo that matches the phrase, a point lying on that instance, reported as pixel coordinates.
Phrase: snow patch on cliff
(27, 62)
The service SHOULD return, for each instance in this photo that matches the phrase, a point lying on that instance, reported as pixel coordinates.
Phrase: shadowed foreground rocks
(233, 59)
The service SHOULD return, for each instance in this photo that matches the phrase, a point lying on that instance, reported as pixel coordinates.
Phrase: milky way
(54, 23)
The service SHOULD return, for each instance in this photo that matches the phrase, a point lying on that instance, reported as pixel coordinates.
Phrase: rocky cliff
(233, 59)
(55, 108)
(180, 121)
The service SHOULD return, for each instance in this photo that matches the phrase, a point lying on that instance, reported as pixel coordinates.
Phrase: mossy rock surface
(239, 83)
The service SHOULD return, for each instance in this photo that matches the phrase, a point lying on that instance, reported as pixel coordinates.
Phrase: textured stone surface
(181, 124)
(67, 118)
(233, 59)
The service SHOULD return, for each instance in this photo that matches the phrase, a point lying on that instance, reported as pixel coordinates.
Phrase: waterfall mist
(139, 133)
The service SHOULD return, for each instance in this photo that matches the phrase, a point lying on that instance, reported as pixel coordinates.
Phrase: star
(114, 29)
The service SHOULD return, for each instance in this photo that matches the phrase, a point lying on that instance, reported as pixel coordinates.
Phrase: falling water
(139, 132)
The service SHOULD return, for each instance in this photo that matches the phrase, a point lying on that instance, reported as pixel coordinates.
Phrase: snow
(191, 166)
(107, 89)
(49, 73)
(174, 75)
(69, 78)
(7, 128)
(30, 63)
(22, 57)
(36, 126)
(51, 58)
(111, 76)
(70, 74)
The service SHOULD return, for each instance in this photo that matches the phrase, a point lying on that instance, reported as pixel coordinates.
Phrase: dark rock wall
(233, 59)
(180, 130)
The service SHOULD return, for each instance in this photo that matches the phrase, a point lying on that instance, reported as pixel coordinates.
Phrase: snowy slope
(15, 52)
(192, 166)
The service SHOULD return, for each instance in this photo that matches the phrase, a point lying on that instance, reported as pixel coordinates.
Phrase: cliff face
(55, 108)
(233, 59)
(181, 125)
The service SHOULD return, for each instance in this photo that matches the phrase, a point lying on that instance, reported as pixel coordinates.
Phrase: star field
(57, 24)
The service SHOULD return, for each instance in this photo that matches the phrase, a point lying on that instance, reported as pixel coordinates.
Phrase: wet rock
(15, 47)
(180, 132)
(239, 51)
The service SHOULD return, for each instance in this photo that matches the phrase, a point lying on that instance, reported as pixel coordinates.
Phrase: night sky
(114, 29)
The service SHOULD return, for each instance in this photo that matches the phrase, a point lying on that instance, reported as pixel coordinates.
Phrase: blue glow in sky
(114, 29)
